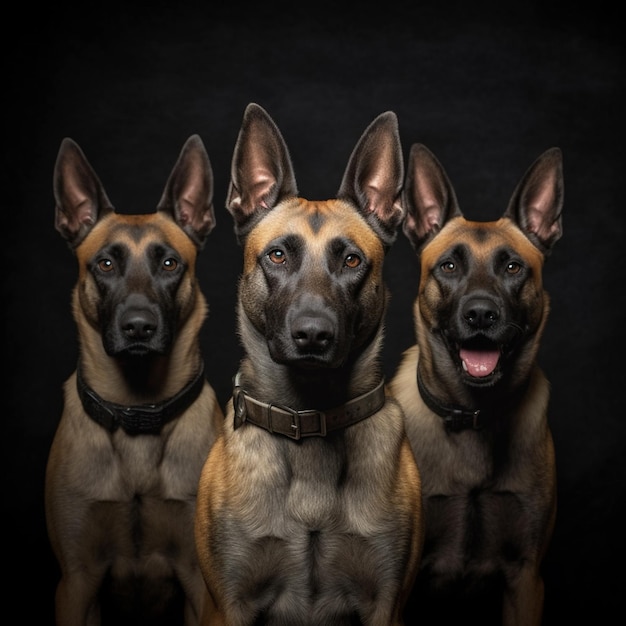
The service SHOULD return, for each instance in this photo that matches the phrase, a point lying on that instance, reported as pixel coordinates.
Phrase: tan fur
(327, 529)
(489, 492)
(449, 465)
(122, 505)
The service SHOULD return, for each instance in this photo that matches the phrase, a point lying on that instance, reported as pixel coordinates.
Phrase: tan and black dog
(474, 397)
(309, 508)
(139, 416)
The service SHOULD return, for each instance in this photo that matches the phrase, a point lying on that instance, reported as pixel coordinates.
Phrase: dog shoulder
(403, 385)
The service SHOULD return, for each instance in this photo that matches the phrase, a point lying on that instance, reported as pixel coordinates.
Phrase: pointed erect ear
(261, 171)
(79, 195)
(374, 175)
(537, 201)
(188, 194)
(428, 197)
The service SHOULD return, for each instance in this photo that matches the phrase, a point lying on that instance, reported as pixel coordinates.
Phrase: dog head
(136, 272)
(481, 306)
(311, 292)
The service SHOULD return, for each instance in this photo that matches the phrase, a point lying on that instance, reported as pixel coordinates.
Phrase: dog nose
(312, 333)
(139, 324)
(480, 313)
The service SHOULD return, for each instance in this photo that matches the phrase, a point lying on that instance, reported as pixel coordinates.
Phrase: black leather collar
(307, 423)
(141, 419)
(455, 418)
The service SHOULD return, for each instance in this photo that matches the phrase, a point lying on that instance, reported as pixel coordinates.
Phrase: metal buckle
(144, 419)
(458, 419)
(296, 422)
(239, 406)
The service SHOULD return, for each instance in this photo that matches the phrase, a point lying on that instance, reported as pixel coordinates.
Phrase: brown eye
(170, 264)
(106, 265)
(448, 266)
(352, 261)
(513, 267)
(277, 256)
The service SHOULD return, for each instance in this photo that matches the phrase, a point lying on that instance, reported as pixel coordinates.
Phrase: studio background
(487, 89)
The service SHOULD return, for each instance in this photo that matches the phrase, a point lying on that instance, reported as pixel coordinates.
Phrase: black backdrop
(486, 90)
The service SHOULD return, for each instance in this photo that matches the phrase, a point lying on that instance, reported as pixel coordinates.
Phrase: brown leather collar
(294, 424)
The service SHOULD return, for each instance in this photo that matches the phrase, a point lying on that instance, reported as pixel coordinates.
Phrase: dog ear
(537, 201)
(188, 194)
(79, 195)
(428, 197)
(261, 171)
(374, 175)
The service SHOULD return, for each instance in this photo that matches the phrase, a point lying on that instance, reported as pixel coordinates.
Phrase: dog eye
(448, 266)
(170, 264)
(513, 267)
(352, 261)
(277, 256)
(106, 265)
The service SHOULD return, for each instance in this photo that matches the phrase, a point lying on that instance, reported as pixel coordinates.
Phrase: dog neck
(137, 419)
(297, 424)
(457, 418)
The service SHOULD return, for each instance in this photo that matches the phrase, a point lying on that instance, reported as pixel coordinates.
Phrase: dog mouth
(479, 359)
(479, 363)
(137, 350)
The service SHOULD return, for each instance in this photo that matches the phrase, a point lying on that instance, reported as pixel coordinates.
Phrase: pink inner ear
(84, 212)
(262, 182)
(424, 193)
(430, 220)
(186, 210)
(540, 225)
(428, 202)
(541, 200)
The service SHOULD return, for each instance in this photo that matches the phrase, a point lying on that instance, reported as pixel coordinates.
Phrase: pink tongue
(479, 362)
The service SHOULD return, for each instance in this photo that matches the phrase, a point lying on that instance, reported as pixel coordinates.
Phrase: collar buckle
(296, 431)
(459, 419)
(296, 425)
(239, 406)
(141, 419)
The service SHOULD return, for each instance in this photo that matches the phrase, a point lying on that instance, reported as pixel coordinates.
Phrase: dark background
(487, 89)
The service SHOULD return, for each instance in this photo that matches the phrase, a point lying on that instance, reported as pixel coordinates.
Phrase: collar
(455, 418)
(294, 424)
(140, 419)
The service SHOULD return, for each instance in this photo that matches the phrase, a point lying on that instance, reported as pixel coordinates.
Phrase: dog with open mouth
(474, 397)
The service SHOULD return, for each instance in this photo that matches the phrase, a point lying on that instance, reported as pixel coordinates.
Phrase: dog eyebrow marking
(316, 221)
(135, 230)
(481, 234)
(482, 239)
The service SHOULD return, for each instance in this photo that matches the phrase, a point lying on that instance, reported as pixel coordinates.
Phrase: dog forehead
(317, 222)
(482, 239)
(136, 232)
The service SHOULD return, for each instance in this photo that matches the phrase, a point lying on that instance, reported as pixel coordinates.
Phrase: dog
(474, 397)
(139, 416)
(309, 506)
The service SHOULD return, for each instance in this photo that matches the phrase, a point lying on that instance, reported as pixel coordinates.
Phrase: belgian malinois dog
(139, 416)
(309, 505)
(474, 398)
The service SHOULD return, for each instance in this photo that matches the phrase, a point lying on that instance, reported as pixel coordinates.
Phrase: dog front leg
(523, 599)
(77, 599)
